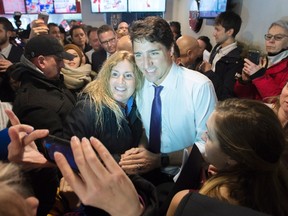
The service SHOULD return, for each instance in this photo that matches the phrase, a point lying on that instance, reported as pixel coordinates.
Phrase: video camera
(17, 16)
(20, 33)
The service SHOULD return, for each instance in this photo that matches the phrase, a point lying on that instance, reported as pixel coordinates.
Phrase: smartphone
(254, 56)
(52, 144)
(44, 16)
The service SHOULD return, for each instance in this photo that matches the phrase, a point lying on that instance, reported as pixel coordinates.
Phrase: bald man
(189, 50)
(124, 27)
(124, 43)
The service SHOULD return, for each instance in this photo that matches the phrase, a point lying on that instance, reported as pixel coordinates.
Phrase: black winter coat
(82, 123)
(223, 78)
(41, 102)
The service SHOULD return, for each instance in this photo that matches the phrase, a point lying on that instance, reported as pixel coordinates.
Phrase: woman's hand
(101, 182)
(250, 68)
(22, 148)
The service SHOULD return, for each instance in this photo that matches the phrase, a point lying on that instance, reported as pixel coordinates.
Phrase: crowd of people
(135, 102)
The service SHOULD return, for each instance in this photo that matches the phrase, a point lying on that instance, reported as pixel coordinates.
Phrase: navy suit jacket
(98, 58)
(7, 94)
(15, 54)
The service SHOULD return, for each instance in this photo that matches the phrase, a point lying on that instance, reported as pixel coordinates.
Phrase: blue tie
(155, 122)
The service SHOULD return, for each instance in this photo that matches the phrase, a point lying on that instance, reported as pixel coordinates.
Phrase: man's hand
(38, 28)
(139, 160)
(4, 64)
(212, 170)
(205, 66)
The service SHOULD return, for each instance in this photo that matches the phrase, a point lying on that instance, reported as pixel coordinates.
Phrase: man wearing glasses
(108, 40)
(266, 79)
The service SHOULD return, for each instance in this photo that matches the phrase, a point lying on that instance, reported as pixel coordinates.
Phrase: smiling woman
(107, 109)
(77, 74)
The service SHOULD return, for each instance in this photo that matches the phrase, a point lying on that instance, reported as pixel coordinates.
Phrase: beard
(4, 40)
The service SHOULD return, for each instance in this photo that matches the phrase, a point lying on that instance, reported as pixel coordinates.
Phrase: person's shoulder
(15, 54)
(193, 76)
(90, 52)
(99, 52)
(234, 54)
(204, 205)
(18, 48)
(84, 102)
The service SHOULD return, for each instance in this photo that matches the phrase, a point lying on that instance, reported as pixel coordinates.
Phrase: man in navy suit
(108, 40)
(9, 54)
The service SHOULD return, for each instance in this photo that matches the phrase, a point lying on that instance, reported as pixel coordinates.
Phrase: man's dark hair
(176, 52)
(105, 28)
(62, 30)
(93, 29)
(74, 28)
(152, 29)
(206, 40)
(52, 25)
(7, 25)
(229, 20)
(177, 27)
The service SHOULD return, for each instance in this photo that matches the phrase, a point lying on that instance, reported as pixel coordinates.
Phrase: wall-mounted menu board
(65, 6)
(10, 6)
(104, 6)
(37, 6)
(146, 5)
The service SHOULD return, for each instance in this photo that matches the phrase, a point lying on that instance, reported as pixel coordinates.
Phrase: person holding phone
(268, 77)
(238, 164)
(133, 194)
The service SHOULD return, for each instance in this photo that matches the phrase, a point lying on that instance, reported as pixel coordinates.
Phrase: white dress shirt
(188, 98)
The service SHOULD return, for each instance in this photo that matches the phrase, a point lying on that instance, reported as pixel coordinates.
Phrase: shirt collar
(225, 50)
(5, 51)
(170, 79)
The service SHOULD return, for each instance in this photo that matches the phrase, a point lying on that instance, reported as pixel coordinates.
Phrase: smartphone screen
(254, 56)
(53, 144)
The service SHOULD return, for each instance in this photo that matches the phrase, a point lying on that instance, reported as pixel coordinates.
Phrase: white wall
(89, 18)
(257, 15)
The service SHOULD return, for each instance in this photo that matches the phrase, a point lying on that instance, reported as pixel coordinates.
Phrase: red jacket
(270, 84)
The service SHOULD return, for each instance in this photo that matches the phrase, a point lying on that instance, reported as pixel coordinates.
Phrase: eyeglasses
(112, 40)
(277, 37)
